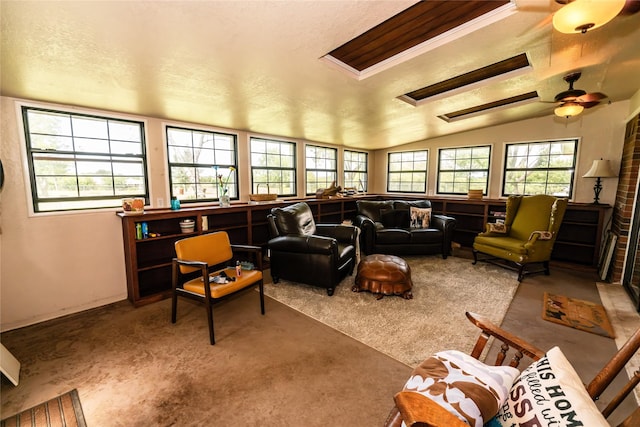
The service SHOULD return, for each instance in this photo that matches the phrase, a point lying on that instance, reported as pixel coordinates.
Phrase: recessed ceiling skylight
(499, 70)
(491, 106)
(418, 29)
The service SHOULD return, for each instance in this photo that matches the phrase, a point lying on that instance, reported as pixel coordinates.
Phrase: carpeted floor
(132, 367)
(411, 330)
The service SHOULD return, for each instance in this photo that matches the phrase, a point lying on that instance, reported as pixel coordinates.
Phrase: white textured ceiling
(255, 65)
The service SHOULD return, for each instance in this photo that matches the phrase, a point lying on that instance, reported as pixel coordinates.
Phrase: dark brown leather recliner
(305, 252)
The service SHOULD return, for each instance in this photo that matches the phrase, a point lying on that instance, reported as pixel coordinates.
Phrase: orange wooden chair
(205, 255)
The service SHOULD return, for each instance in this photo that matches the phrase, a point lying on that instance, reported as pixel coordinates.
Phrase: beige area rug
(411, 330)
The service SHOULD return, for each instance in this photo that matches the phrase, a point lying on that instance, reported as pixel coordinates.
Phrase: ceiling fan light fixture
(568, 109)
(579, 16)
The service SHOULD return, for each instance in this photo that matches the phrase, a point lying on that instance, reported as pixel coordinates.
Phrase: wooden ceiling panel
(472, 111)
(490, 71)
(415, 25)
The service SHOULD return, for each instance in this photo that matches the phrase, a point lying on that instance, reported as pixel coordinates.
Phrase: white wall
(57, 264)
(52, 265)
(602, 136)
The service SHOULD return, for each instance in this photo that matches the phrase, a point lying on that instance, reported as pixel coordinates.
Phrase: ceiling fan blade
(591, 97)
(589, 104)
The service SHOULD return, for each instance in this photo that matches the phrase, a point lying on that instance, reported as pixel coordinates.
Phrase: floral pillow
(466, 387)
(497, 227)
(420, 217)
(548, 393)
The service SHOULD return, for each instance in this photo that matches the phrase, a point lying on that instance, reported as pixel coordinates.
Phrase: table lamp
(599, 169)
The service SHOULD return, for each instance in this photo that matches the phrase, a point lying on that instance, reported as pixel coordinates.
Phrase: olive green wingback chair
(530, 229)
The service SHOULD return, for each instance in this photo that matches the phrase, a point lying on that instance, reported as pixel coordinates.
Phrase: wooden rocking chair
(417, 410)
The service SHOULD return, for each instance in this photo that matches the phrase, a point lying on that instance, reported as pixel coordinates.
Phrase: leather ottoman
(384, 275)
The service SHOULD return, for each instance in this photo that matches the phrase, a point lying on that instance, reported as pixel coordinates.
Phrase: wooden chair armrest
(606, 375)
(489, 329)
(256, 250)
(418, 411)
(632, 420)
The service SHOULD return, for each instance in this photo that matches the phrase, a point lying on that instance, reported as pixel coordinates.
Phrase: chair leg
(330, 291)
(261, 286)
(475, 257)
(521, 272)
(547, 272)
(174, 293)
(209, 307)
(174, 307)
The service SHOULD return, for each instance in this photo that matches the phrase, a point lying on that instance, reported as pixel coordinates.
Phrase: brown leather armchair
(305, 252)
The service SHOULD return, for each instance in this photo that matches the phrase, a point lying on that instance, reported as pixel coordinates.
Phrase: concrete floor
(587, 352)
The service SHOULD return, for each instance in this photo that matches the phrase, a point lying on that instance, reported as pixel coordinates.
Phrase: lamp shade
(579, 16)
(600, 169)
(568, 109)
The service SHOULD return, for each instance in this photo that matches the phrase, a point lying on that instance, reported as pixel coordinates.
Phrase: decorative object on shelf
(580, 16)
(262, 197)
(223, 187)
(175, 203)
(133, 206)
(187, 226)
(225, 201)
(326, 193)
(475, 194)
(599, 169)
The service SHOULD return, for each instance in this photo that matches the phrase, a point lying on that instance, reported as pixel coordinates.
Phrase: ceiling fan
(573, 101)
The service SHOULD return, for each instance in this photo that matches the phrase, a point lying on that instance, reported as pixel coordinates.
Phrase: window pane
(273, 165)
(196, 157)
(544, 167)
(355, 170)
(462, 169)
(407, 172)
(321, 169)
(94, 160)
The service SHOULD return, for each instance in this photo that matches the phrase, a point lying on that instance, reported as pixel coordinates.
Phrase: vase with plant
(223, 186)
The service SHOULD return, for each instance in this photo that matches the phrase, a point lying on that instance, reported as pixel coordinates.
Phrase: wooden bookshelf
(148, 261)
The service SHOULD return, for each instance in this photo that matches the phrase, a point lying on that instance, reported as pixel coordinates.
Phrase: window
(79, 161)
(195, 157)
(545, 167)
(355, 170)
(273, 164)
(407, 172)
(461, 169)
(321, 166)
